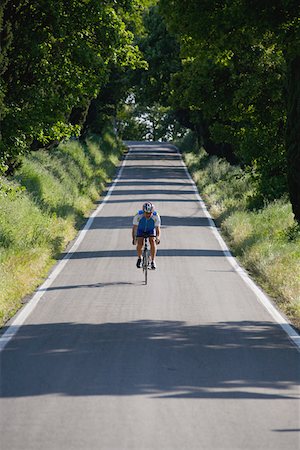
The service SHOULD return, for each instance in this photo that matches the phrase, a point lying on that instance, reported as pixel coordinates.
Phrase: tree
(5, 42)
(240, 54)
(283, 17)
(61, 56)
(161, 51)
(293, 134)
(150, 113)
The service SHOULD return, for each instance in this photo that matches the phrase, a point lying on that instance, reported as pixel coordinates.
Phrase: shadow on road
(153, 183)
(111, 222)
(154, 172)
(245, 360)
(175, 252)
(89, 286)
(146, 191)
(142, 200)
(146, 156)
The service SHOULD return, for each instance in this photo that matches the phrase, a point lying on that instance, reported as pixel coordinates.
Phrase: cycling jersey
(146, 226)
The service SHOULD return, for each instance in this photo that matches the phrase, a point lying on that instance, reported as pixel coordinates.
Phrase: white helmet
(148, 207)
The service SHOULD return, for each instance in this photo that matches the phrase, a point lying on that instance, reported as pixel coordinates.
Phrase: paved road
(191, 361)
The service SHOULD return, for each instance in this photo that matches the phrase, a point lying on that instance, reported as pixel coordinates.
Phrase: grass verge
(266, 241)
(42, 208)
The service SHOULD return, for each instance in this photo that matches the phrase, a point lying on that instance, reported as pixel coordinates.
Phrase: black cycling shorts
(150, 233)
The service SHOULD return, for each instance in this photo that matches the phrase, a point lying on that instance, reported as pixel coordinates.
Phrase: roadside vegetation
(42, 207)
(62, 67)
(265, 239)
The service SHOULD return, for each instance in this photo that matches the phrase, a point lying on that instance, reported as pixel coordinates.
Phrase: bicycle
(146, 259)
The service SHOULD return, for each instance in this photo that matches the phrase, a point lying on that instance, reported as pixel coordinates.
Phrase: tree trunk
(293, 134)
(79, 114)
(220, 150)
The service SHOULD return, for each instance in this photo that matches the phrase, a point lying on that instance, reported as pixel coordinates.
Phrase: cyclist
(146, 223)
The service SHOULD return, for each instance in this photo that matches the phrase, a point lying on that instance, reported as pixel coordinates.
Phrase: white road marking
(262, 297)
(27, 310)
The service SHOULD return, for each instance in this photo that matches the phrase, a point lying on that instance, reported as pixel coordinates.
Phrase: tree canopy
(239, 83)
(228, 70)
(58, 57)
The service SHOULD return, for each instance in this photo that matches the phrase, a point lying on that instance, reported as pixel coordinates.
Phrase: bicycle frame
(145, 260)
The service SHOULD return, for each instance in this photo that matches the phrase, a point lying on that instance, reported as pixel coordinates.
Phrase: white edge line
(262, 297)
(27, 310)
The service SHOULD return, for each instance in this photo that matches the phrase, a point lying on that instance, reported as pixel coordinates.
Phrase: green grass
(266, 240)
(43, 207)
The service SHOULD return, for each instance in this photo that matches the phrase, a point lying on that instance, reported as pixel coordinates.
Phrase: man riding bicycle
(146, 223)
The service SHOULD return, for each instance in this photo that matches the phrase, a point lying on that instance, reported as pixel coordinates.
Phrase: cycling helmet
(148, 207)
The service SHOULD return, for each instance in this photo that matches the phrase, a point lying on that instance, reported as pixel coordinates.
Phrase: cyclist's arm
(135, 224)
(157, 234)
(134, 230)
(157, 227)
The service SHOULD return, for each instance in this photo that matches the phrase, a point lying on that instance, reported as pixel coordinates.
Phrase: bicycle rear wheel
(145, 265)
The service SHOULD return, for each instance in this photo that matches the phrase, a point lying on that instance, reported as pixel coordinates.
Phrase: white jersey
(145, 224)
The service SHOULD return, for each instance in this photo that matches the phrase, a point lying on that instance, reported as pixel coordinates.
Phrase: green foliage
(60, 57)
(233, 80)
(267, 242)
(293, 134)
(155, 122)
(129, 126)
(161, 51)
(9, 189)
(226, 188)
(188, 143)
(5, 42)
(62, 192)
(266, 239)
(43, 205)
(20, 214)
(146, 113)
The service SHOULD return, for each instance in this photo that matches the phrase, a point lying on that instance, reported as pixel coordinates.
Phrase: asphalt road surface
(191, 361)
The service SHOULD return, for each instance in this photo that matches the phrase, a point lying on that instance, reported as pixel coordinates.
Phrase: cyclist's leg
(139, 246)
(152, 247)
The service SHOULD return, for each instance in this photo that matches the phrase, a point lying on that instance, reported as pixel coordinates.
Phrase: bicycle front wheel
(145, 266)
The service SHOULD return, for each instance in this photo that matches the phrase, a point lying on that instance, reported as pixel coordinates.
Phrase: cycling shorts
(149, 233)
